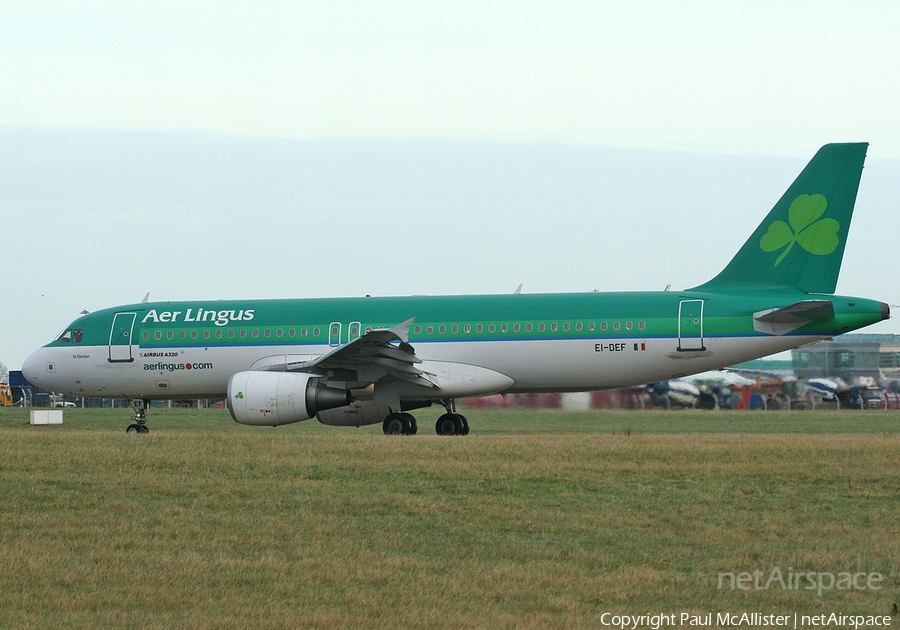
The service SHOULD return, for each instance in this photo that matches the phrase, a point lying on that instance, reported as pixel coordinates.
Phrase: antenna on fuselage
(519, 289)
(146, 298)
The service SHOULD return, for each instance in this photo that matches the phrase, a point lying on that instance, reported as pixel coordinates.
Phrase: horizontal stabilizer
(780, 321)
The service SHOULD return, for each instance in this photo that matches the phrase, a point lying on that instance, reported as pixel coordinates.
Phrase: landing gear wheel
(412, 427)
(451, 424)
(140, 407)
(400, 424)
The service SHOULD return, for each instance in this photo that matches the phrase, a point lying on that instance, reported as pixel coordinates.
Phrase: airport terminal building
(849, 357)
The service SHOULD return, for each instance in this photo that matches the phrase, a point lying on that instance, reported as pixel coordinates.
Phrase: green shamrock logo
(239, 395)
(815, 235)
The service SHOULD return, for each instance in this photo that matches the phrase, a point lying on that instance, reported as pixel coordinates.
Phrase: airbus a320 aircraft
(359, 361)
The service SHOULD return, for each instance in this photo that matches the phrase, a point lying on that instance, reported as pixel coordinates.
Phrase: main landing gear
(450, 423)
(140, 417)
(400, 424)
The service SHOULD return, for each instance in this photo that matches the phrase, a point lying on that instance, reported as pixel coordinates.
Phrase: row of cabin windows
(230, 333)
(529, 327)
(442, 329)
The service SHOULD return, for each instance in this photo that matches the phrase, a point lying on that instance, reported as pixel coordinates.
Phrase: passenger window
(170, 335)
(430, 329)
(254, 333)
(279, 333)
(629, 325)
(145, 335)
(219, 334)
(479, 328)
(182, 334)
(231, 333)
(206, 334)
(316, 331)
(157, 335)
(267, 333)
(604, 326)
(516, 327)
(642, 325)
(292, 333)
(529, 327)
(616, 325)
(578, 327)
(454, 328)
(554, 327)
(243, 333)
(418, 330)
(541, 327)
(504, 328)
(467, 329)
(566, 327)
(194, 334)
(304, 332)
(592, 326)
(442, 329)
(492, 328)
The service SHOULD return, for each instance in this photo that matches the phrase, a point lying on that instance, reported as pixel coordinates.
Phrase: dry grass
(206, 524)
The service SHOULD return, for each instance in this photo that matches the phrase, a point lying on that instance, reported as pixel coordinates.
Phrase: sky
(290, 149)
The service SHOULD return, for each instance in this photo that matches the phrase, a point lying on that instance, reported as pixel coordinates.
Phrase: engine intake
(274, 398)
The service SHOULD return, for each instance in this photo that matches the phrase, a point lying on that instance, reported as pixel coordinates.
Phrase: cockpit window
(71, 334)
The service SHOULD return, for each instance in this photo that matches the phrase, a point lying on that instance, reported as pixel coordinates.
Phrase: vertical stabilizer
(801, 242)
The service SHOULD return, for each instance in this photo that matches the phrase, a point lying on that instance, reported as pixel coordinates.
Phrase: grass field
(538, 519)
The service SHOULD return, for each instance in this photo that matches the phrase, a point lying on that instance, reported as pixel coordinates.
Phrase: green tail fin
(801, 242)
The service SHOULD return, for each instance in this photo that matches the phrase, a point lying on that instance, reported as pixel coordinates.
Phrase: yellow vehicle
(5, 395)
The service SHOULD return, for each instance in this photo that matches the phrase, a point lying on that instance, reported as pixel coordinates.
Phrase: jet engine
(356, 414)
(273, 398)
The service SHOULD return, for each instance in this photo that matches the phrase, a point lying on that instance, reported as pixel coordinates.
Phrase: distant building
(849, 357)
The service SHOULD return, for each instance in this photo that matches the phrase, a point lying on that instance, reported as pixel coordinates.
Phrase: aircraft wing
(780, 321)
(377, 354)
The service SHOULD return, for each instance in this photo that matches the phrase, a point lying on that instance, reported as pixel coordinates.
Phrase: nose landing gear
(140, 407)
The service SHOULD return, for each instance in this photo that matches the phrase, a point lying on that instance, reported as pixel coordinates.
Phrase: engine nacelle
(356, 414)
(273, 398)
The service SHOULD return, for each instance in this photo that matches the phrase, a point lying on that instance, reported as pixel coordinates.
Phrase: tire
(447, 424)
(394, 424)
(410, 426)
(133, 428)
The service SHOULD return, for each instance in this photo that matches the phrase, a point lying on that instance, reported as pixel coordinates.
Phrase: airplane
(370, 360)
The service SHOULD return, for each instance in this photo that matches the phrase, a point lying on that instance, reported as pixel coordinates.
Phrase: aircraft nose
(885, 311)
(32, 367)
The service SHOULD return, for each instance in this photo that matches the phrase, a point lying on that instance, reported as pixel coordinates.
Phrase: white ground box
(47, 416)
